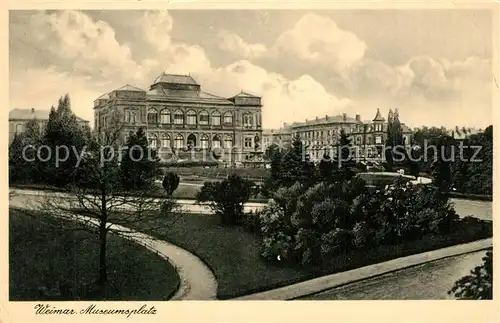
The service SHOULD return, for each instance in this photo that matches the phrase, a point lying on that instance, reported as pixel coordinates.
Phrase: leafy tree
(24, 166)
(346, 161)
(441, 169)
(64, 135)
(227, 198)
(478, 284)
(140, 163)
(326, 168)
(292, 166)
(170, 182)
(98, 199)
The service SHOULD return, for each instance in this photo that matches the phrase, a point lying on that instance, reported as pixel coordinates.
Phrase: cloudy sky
(434, 66)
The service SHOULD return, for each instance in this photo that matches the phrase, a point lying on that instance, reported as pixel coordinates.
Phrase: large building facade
(18, 118)
(184, 122)
(322, 135)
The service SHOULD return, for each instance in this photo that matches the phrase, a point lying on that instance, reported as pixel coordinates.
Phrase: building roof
(378, 117)
(326, 120)
(28, 114)
(179, 94)
(128, 87)
(105, 96)
(245, 95)
(175, 79)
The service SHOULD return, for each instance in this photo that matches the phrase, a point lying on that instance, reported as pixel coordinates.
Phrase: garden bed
(234, 253)
(43, 256)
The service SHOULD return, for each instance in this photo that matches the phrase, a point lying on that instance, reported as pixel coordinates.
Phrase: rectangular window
(378, 140)
(19, 128)
(216, 120)
(204, 119)
(215, 143)
(228, 119)
(228, 143)
(248, 142)
(191, 119)
(165, 117)
(179, 119)
(248, 121)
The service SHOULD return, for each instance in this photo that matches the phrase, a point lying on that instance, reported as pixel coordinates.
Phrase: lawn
(65, 263)
(234, 253)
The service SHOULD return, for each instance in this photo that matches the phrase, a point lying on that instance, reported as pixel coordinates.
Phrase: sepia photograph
(170, 155)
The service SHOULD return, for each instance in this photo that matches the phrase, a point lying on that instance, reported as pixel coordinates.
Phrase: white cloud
(232, 42)
(48, 86)
(425, 90)
(283, 100)
(85, 44)
(318, 40)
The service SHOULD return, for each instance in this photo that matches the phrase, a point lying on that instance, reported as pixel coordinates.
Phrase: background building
(19, 117)
(184, 122)
(322, 135)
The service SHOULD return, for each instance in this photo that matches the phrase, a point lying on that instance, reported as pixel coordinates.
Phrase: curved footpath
(197, 282)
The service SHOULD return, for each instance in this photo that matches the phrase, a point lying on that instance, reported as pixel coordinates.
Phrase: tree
(24, 166)
(346, 161)
(477, 285)
(290, 166)
(326, 168)
(98, 201)
(441, 169)
(66, 139)
(170, 182)
(226, 198)
(140, 163)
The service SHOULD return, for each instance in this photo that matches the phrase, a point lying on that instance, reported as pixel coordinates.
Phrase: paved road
(479, 209)
(430, 281)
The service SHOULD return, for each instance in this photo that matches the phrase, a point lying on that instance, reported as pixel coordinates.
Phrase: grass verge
(233, 253)
(65, 263)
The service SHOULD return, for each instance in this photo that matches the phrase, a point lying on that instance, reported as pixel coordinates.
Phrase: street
(430, 281)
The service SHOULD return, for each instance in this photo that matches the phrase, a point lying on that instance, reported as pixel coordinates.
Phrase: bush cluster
(307, 226)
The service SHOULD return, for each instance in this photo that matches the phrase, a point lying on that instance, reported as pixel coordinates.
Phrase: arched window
(165, 116)
(204, 118)
(165, 140)
(228, 118)
(228, 142)
(179, 117)
(153, 140)
(216, 142)
(191, 117)
(191, 141)
(179, 141)
(204, 141)
(216, 118)
(152, 116)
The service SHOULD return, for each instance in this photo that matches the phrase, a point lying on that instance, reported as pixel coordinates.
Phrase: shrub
(477, 285)
(227, 198)
(170, 182)
(252, 222)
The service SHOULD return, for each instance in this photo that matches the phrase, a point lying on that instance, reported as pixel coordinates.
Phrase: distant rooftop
(27, 114)
(326, 120)
(128, 87)
(175, 79)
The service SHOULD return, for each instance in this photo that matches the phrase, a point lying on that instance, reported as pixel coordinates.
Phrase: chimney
(32, 110)
(326, 117)
(358, 117)
(316, 118)
(344, 116)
